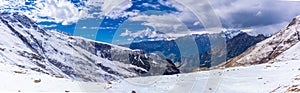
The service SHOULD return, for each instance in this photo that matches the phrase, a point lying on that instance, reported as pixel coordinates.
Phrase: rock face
(24, 44)
(270, 48)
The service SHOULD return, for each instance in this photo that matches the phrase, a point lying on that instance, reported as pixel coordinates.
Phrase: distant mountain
(25, 45)
(271, 48)
(236, 41)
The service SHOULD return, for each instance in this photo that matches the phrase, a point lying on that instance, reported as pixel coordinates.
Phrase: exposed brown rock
(293, 88)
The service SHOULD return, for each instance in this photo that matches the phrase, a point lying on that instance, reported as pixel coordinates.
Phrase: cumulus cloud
(166, 23)
(61, 11)
(147, 34)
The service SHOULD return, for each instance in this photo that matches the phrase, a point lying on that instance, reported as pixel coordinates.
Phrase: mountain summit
(25, 45)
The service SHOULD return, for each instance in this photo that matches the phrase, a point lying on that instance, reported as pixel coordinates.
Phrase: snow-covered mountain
(25, 45)
(270, 48)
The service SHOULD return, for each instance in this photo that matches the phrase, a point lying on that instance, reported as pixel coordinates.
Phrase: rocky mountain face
(271, 48)
(236, 43)
(25, 45)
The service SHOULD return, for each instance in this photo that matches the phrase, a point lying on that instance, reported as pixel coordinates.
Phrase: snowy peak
(269, 48)
(26, 46)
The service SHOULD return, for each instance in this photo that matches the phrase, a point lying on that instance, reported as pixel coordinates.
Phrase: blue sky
(124, 21)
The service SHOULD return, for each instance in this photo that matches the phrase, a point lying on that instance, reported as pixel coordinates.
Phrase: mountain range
(236, 43)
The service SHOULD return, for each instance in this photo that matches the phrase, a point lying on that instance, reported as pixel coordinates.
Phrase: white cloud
(172, 25)
(150, 5)
(259, 13)
(167, 23)
(145, 34)
(61, 10)
(195, 15)
(9, 5)
(65, 12)
(84, 27)
(110, 5)
(116, 8)
(196, 23)
(126, 33)
(48, 26)
(156, 35)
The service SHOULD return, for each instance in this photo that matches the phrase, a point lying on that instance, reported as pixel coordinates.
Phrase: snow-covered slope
(263, 78)
(25, 45)
(278, 77)
(269, 48)
(16, 80)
